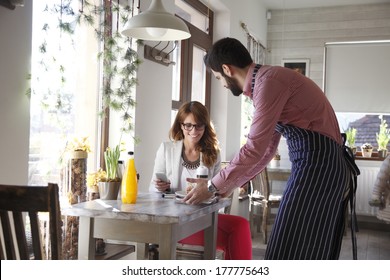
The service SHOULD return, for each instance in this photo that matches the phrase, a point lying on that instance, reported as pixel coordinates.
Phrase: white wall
(153, 109)
(302, 33)
(226, 108)
(15, 58)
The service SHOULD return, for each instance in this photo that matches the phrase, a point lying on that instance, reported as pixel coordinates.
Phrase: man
(310, 220)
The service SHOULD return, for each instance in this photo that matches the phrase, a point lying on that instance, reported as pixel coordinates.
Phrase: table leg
(86, 240)
(142, 251)
(167, 241)
(210, 238)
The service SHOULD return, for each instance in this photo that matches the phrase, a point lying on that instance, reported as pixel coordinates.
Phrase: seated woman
(381, 192)
(192, 134)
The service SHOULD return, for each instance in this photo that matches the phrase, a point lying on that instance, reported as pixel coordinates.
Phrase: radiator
(365, 184)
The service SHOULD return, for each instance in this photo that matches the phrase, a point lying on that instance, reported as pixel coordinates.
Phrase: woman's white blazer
(168, 161)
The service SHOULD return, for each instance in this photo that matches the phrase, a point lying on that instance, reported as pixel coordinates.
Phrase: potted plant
(351, 138)
(93, 180)
(366, 150)
(111, 157)
(382, 138)
(107, 183)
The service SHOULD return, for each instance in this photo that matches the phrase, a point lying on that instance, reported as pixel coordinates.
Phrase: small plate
(180, 194)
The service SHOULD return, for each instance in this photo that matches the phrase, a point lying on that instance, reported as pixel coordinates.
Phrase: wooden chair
(23, 203)
(261, 203)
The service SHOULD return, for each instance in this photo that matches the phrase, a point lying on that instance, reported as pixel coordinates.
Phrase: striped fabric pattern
(310, 221)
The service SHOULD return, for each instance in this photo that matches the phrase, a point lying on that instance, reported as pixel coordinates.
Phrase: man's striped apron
(310, 219)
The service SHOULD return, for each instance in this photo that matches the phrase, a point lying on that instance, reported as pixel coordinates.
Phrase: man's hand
(198, 194)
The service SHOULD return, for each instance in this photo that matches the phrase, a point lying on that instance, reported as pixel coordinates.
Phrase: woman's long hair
(208, 144)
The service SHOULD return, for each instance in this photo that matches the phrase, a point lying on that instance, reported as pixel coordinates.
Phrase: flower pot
(109, 190)
(366, 152)
(382, 153)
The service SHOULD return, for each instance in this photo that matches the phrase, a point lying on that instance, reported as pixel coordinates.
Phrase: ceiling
(296, 4)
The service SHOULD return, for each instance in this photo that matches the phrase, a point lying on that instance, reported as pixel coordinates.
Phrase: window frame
(202, 40)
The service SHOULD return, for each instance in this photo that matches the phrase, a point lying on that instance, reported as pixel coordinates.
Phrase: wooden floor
(373, 243)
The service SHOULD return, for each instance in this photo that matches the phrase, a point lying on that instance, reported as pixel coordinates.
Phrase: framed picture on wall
(300, 65)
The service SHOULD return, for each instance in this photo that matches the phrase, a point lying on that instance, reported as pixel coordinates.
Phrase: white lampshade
(156, 24)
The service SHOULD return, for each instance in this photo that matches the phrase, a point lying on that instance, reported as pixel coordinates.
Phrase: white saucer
(180, 194)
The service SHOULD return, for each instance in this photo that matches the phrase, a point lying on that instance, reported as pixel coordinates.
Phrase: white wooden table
(152, 219)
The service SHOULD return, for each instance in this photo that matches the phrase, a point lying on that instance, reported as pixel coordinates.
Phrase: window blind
(357, 76)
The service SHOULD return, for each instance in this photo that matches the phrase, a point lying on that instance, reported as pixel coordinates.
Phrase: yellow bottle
(129, 188)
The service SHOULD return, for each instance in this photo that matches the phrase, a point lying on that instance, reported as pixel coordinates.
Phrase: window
(67, 80)
(191, 80)
(68, 95)
(366, 125)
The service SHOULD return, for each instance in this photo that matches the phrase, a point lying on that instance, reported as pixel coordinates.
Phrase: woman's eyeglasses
(190, 126)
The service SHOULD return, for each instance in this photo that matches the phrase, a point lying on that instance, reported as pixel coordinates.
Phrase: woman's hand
(162, 186)
(198, 194)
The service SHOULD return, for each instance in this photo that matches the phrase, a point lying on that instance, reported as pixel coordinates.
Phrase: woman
(192, 134)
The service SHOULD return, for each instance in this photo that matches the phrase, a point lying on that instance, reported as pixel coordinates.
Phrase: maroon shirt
(280, 95)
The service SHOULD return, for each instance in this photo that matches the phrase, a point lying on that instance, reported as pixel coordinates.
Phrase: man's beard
(232, 85)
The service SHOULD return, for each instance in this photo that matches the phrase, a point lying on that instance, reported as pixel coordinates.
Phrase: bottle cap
(202, 172)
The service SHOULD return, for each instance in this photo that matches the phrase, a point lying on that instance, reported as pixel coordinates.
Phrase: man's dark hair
(227, 51)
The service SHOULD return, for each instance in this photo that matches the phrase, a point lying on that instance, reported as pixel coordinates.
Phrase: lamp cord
(159, 57)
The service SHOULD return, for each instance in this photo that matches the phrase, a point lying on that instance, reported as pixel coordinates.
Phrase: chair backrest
(19, 202)
(261, 184)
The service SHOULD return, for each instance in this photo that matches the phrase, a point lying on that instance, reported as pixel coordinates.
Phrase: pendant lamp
(156, 24)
